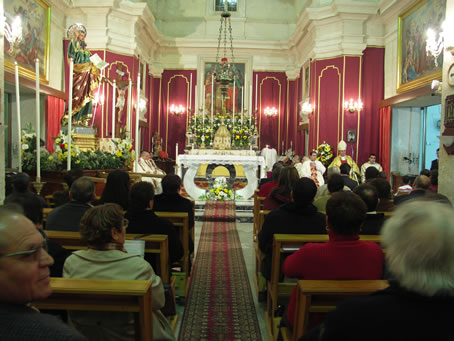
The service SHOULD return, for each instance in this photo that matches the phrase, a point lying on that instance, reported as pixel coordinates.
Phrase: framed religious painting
(35, 23)
(415, 68)
(212, 96)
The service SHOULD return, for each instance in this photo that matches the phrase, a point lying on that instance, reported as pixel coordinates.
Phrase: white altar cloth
(192, 162)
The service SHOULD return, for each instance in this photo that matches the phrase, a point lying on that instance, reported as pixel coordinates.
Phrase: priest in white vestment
(314, 169)
(270, 155)
(371, 163)
(147, 166)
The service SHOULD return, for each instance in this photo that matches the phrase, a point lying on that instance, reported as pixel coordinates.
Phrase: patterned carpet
(220, 304)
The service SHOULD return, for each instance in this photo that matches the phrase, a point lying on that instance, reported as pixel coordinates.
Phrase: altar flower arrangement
(123, 148)
(325, 153)
(220, 190)
(28, 152)
(61, 149)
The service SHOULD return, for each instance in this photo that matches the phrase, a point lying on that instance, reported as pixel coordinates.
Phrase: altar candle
(114, 92)
(176, 153)
(38, 130)
(242, 102)
(70, 113)
(256, 89)
(136, 138)
(19, 133)
(128, 119)
(195, 108)
(203, 107)
(282, 147)
(291, 145)
(250, 104)
(212, 97)
(233, 116)
(190, 94)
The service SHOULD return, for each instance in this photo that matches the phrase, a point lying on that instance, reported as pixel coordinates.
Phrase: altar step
(244, 210)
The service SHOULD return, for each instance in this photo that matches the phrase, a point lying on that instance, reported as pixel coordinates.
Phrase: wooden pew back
(324, 296)
(154, 243)
(104, 295)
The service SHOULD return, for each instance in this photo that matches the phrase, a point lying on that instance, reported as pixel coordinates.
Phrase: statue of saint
(86, 76)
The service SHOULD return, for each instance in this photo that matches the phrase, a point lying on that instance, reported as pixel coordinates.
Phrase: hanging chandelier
(223, 77)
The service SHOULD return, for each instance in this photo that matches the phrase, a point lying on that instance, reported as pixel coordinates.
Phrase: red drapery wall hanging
(54, 111)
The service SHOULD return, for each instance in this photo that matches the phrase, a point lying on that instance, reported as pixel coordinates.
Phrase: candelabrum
(38, 186)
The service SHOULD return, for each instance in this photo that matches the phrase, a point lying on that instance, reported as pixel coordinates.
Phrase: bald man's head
(422, 182)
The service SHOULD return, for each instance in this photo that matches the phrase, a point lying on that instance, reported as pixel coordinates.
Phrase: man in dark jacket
(374, 221)
(142, 219)
(345, 172)
(67, 216)
(297, 217)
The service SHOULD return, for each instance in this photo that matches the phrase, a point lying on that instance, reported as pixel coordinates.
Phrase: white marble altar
(250, 165)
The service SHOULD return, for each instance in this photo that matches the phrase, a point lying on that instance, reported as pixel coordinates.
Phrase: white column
(19, 132)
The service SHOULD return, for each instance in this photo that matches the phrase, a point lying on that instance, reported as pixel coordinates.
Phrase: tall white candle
(250, 104)
(176, 153)
(242, 103)
(203, 107)
(234, 102)
(128, 119)
(190, 94)
(256, 89)
(70, 112)
(38, 130)
(195, 107)
(212, 97)
(136, 137)
(19, 133)
(114, 92)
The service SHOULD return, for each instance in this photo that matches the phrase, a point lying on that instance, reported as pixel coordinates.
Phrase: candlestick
(114, 92)
(233, 116)
(203, 107)
(212, 97)
(70, 113)
(128, 119)
(256, 88)
(19, 133)
(136, 138)
(242, 103)
(190, 93)
(195, 109)
(38, 130)
(250, 105)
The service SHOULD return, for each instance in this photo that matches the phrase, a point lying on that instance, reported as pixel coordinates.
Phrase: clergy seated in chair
(67, 216)
(281, 194)
(344, 256)
(148, 166)
(419, 243)
(297, 217)
(171, 201)
(104, 229)
(374, 221)
(142, 219)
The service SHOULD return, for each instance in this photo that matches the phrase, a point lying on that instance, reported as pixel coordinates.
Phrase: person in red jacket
(344, 256)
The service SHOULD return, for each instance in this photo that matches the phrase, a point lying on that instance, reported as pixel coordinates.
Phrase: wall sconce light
(436, 86)
(177, 110)
(307, 108)
(270, 111)
(353, 106)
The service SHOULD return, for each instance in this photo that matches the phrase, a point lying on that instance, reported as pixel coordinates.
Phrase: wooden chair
(323, 297)
(104, 295)
(280, 292)
(156, 244)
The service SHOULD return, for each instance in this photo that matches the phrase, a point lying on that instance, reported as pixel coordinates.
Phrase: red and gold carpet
(220, 304)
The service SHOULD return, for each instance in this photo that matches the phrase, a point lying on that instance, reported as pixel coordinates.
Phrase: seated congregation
(323, 231)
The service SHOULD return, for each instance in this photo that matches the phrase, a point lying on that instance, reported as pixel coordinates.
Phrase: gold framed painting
(415, 68)
(35, 19)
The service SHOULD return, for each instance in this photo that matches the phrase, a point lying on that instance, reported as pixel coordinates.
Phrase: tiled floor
(245, 234)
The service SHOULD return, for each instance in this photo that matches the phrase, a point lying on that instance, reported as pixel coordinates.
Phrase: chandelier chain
(231, 41)
(219, 41)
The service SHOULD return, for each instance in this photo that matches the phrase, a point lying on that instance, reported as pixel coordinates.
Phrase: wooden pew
(258, 205)
(284, 245)
(181, 221)
(154, 243)
(259, 279)
(323, 297)
(104, 295)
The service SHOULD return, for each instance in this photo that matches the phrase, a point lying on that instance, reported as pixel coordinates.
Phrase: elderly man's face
(146, 156)
(342, 152)
(23, 278)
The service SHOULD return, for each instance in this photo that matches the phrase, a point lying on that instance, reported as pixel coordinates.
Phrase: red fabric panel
(351, 81)
(54, 111)
(294, 138)
(272, 90)
(175, 90)
(384, 153)
(372, 92)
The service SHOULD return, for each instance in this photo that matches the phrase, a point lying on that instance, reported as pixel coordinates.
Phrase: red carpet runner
(220, 304)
